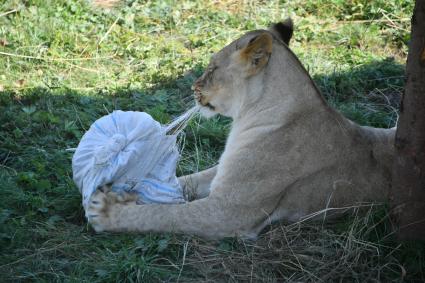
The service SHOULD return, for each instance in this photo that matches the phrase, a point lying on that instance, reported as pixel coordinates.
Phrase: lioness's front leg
(198, 185)
(209, 217)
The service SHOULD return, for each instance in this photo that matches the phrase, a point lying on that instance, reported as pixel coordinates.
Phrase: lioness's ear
(257, 53)
(283, 30)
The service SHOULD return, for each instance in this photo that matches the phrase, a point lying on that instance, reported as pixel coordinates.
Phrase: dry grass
(301, 252)
(106, 3)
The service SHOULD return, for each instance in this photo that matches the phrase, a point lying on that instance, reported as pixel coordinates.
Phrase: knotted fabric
(131, 151)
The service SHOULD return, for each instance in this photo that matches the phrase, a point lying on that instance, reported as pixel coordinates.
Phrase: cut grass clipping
(64, 64)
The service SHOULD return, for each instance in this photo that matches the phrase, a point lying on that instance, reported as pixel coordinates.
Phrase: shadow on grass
(42, 227)
(368, 94)
(40, 206)
(38, 125)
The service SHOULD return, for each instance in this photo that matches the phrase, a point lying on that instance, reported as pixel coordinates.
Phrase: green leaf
(162, 245)
(29, 110)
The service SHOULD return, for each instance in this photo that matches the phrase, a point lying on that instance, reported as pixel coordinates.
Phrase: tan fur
(257, 53)
(288, 153)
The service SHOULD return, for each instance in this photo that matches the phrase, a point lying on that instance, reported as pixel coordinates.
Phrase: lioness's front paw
(104, 208)
(97, 211)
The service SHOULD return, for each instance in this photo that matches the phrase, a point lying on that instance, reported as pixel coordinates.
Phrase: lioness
(288, 153)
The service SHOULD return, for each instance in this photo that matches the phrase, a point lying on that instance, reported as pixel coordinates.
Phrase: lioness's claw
(104, 207)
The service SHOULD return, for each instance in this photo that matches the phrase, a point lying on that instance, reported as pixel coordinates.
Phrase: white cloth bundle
(133, 152)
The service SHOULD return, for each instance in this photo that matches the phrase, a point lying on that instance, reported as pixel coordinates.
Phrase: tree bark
(408, 191)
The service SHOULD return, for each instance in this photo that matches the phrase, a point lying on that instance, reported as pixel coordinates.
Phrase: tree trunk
(408, 192)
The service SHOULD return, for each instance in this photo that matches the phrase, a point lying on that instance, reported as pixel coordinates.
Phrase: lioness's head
(234, 70)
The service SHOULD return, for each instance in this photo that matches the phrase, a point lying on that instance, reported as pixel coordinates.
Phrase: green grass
(64, 64)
